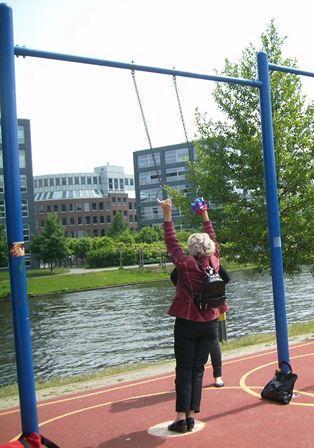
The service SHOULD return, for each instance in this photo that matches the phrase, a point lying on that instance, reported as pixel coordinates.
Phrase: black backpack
(212, 293)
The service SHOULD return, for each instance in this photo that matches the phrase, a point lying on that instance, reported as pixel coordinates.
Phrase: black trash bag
(280, 388)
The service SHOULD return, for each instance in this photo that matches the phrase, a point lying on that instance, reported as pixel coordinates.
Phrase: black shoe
(190, 422)
(179, 426)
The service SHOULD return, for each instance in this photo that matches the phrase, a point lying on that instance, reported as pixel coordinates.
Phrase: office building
(26, 185)
(171, 164)
(86, 203)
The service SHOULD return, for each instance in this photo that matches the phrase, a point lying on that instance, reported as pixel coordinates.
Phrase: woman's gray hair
(200, 245)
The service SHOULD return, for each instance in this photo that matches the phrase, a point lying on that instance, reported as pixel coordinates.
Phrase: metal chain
(180, 109)
(145, 127)
(184, 127)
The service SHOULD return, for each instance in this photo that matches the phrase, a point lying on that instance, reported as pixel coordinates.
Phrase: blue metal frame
(292, 70)
(22, 51)
(13, 196)
(273, 210)
(9, 128)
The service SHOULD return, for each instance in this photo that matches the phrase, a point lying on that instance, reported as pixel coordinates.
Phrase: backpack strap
(48, 443)
(203, 269)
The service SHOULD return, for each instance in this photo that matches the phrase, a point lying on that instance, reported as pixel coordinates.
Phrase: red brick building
(87, 216)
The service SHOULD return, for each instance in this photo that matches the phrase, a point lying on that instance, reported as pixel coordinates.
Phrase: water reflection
(83, 332)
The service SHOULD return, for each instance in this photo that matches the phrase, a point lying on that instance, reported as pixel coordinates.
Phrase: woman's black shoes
(182, 425)
(190, 422)
(179, 426)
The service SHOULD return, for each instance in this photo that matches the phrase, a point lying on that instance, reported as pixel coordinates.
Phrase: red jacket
(190, 277)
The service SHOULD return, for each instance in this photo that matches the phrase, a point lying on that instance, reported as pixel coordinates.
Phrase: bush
(110, 256)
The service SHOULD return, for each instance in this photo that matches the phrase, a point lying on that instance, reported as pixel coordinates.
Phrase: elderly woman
(195, 330)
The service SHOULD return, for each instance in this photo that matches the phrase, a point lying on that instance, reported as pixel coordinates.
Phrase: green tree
(51, 244)
(3, 247)
(79, 247)
(126, 237)
(230, 166)
(149, 234)
(118, 226)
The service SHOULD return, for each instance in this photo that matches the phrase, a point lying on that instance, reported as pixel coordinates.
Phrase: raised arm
(173, 247)
(209, 229)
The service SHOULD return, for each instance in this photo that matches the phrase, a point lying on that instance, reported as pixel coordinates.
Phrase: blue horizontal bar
(22, 51)
(294, 71)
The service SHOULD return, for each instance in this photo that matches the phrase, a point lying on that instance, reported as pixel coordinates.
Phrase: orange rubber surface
(235, 416)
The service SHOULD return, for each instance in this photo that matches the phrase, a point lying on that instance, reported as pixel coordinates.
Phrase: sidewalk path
(135, 414)
(112, 268)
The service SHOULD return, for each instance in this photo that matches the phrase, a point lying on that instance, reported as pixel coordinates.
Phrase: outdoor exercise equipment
(10, 148)
(162, 185)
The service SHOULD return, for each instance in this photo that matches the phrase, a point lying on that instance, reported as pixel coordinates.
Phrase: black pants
(193, 341)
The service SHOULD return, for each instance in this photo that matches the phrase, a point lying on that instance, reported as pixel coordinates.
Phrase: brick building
(86, 203)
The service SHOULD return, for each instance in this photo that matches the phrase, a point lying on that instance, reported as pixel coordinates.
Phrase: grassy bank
(92, 280)
(41, 282)
(299, 329)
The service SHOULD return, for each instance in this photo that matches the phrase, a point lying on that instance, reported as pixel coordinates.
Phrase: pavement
(135, 413)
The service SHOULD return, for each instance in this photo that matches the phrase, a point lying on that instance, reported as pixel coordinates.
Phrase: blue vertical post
(273, 211)
(9, 128)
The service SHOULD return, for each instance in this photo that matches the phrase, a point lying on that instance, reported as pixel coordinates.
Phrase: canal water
(84, 332)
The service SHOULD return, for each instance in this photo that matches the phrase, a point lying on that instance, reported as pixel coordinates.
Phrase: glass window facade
(146, 160)
(151, 212)
(24, 208)
(23, 183)
(22, 159)
(177, 173)
(26, 233)
(2, 209)
(148, 195)
(182, 188)
(176, 155)
(21, 135)
(147, 178)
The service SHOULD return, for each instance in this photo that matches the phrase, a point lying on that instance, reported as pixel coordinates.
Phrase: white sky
(84, 116)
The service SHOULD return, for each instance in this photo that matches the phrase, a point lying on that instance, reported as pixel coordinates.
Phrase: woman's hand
(166, 206)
